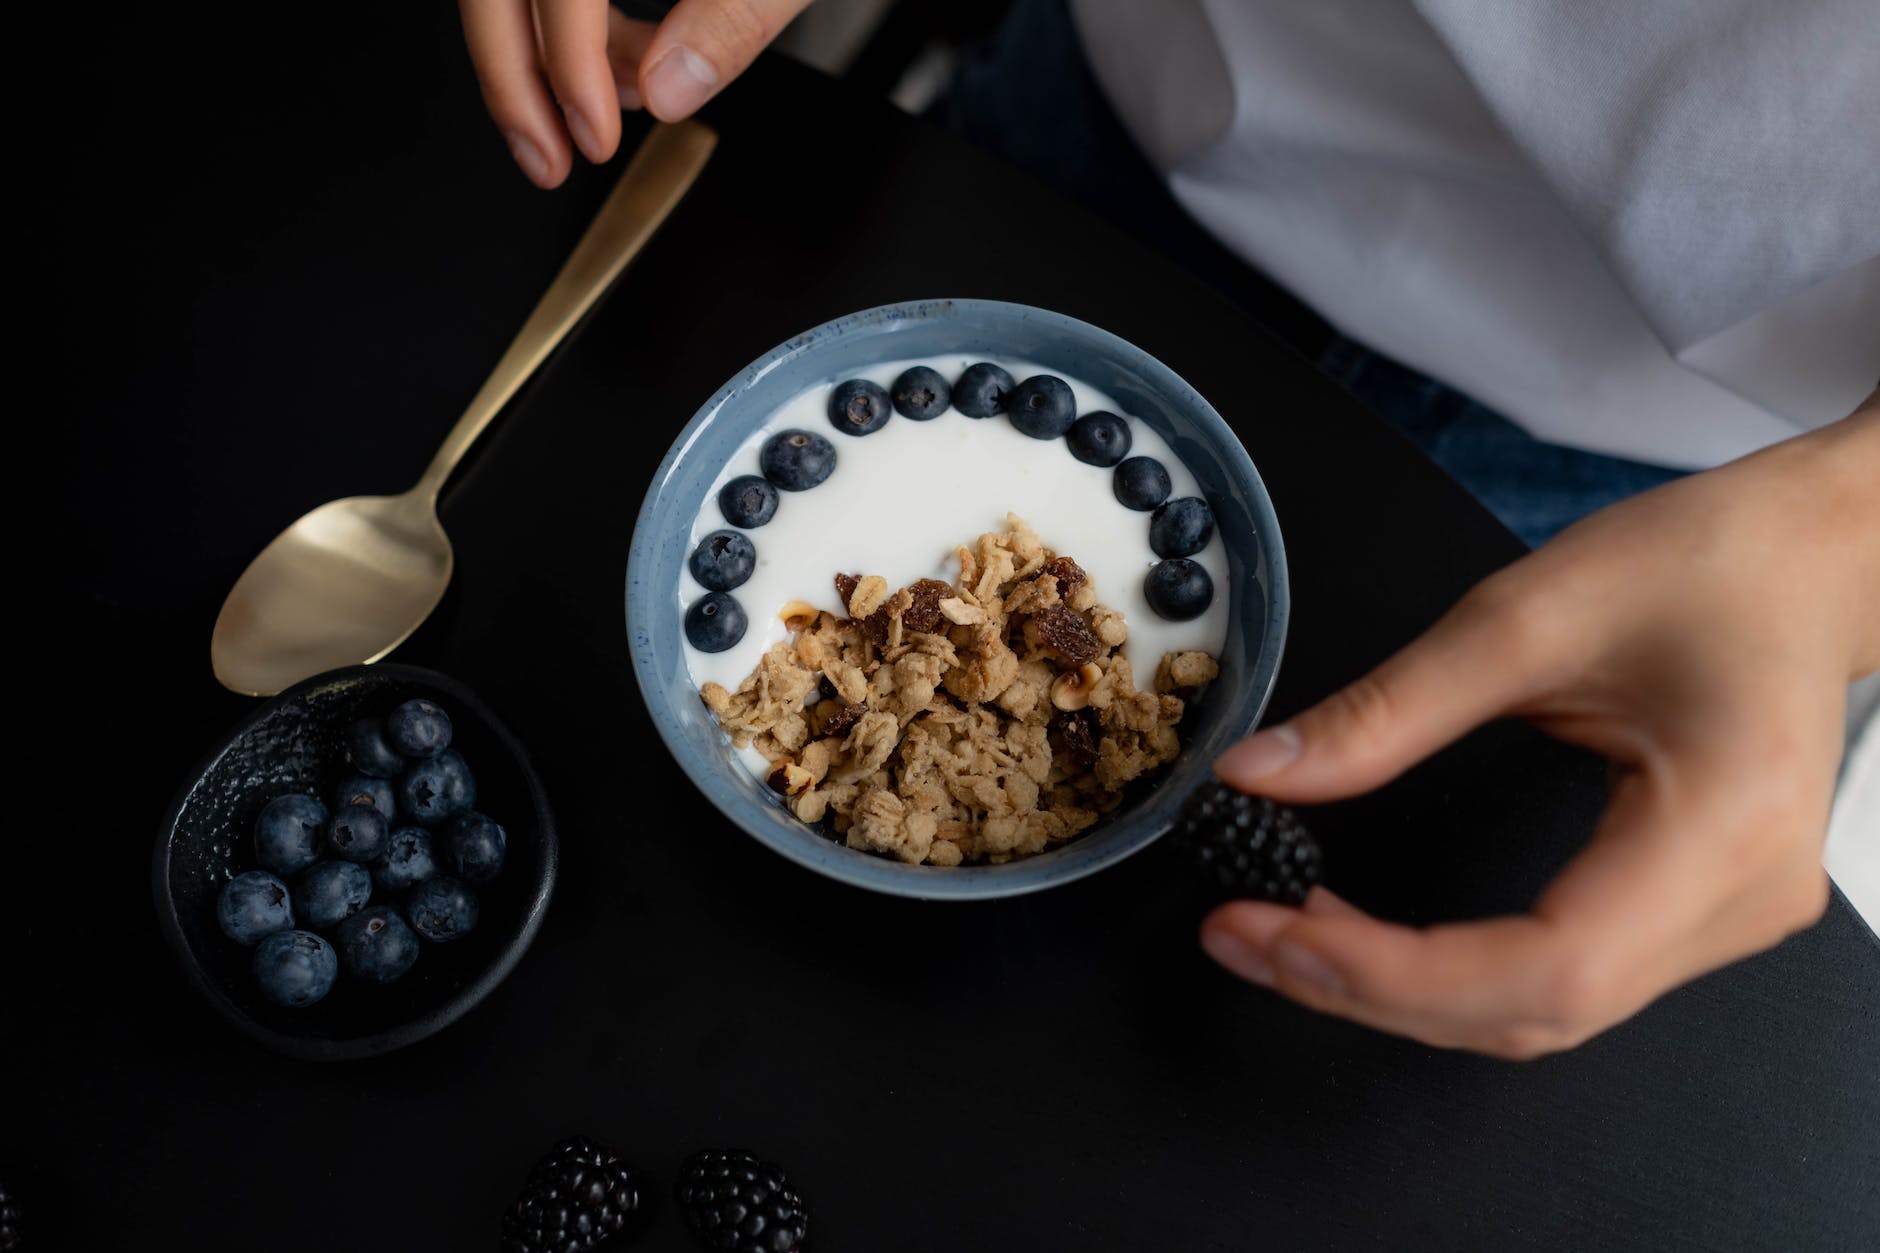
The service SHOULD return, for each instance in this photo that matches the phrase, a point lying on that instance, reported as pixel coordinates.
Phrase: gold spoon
(350, 581)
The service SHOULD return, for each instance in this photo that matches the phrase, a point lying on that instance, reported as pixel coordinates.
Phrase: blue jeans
(1028, 95)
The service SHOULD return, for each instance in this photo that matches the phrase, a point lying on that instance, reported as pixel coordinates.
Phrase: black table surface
(278, 282)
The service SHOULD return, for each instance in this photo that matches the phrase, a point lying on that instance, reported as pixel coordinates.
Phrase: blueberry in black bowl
(796, 461)
(981, 390)
(723, 560)
(921, 393)
(329, 892)
(442, 909)
(859, 407)
(288, 832)
(299, 744)
(475, 844)
(1099, 439)
(363, 789)
(434, 790)
(748, 501)
(357, 833)
(371, 753)
(254, 906)
(419, 728)
(1042, 406)
(409, 859)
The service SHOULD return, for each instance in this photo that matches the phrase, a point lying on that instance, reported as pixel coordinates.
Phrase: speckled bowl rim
(421, 1026)
(1143, 820)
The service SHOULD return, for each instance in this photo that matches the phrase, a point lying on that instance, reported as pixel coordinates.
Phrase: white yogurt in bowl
(902, 499)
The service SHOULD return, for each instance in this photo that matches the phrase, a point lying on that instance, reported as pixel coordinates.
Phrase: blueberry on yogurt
(1141, 483)
(714, 622)
(748, 501)
(982, 389)
(859, 407)
(1178, 589)
(723, 560)
(1042, 407)
(797, 460)
(921, 393)
(1099, 439)
(1181, 528)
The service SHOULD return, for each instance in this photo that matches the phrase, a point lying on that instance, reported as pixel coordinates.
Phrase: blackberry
(1249, 846)
(577, 1197)
(740, 1204)
(11, 1237)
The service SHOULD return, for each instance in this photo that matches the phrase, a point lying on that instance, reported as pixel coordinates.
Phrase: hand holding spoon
(350, 581)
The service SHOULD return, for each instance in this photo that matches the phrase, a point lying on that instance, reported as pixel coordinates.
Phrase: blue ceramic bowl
(1146, 389)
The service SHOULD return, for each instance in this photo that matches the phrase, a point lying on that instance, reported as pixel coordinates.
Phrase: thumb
(1490, 652)
(704, 44)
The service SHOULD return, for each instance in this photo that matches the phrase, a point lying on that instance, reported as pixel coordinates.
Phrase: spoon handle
(668, 161)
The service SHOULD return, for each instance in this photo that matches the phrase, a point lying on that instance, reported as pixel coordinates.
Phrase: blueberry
(1042, 406)
(363, 789)
(295, 968)
(797, 460)
(441, 909)
(748, 501)
(1141, 483)
(408, 859)
(433, 790)
(287, 834)
(921, 393)
(1181, 528)
(253, 906)
(370, 754)
(357, 833)
(376, 945)
(1178, 589)
(715, 622)
(859, 407)
(475, 846)
(982, 389)
(329, 892)
(1099, 439)
(418, 728)
(724, 560)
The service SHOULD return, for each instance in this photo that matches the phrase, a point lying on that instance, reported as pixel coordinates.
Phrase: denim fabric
(1027, 94)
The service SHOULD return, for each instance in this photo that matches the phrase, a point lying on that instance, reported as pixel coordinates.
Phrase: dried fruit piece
(1067, 572)
(845, 587)
(844, 717)
(1078, 731)
(1064, 631)
(924, 613)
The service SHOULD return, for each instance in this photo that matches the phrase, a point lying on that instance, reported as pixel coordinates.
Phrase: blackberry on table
(1248, 846)
(739, 1204)
(578, 1196)
(11, 1236)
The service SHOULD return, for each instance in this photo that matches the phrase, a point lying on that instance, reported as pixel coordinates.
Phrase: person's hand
(560, 71)
(1701, 637)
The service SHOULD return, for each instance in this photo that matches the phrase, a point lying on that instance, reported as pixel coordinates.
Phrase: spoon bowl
(345, 584)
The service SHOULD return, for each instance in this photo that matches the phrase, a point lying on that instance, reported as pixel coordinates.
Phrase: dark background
(281, 248)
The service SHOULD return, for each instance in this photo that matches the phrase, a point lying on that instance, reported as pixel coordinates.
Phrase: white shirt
(1649, 229)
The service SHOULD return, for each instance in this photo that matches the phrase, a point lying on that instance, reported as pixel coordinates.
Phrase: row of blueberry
(1042, 407)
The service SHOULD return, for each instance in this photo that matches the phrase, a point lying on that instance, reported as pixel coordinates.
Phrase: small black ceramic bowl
(296, 743)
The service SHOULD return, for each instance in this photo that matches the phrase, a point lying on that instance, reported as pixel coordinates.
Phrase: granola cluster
(985, 719)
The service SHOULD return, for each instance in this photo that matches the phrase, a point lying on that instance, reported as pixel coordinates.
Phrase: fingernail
(681, 82)
(528, 156)
(1266, 752)
(630, 96)
(1301, 965)
(1238, 956)
(583, 134)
